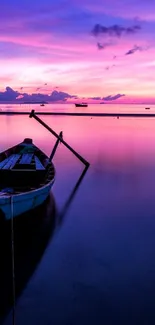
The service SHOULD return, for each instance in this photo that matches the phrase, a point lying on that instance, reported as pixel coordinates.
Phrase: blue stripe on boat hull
(24, 201)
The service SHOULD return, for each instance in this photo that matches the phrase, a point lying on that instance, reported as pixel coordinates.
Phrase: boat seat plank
(38, 164)
(3, 162)
(26, 158)
(11, 162)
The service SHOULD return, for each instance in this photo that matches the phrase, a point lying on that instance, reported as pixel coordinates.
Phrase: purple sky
(85, 48)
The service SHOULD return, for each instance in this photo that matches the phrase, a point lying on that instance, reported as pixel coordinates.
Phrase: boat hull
(81, 105)
(14, 205)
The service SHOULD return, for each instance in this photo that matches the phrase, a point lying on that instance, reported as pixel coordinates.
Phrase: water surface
(99, 266)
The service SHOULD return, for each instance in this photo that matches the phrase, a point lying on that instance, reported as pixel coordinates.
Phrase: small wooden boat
(26, 177)
(147, 107)
(81, 105)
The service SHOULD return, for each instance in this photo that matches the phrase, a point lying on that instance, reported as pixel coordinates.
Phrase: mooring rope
(13, 261)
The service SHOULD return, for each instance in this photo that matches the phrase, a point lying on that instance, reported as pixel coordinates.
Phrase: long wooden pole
(85, 162)
(55, 147)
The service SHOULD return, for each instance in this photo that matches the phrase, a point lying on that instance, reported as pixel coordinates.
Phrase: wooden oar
(85, 162)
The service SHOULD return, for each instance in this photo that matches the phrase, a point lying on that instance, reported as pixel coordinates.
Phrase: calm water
(99, 265)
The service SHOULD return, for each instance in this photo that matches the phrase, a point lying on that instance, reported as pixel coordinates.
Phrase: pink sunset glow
(83, 49)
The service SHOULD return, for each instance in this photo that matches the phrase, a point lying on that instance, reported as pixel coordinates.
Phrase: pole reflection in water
(32, 232)
(62, 214)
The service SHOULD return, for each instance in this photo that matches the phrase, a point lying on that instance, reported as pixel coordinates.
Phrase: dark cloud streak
(109, 67)
(108, 98)
(114, 30)
(102, 46)
(134, 49)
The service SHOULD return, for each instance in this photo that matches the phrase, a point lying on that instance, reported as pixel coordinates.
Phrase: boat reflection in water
(32, 232)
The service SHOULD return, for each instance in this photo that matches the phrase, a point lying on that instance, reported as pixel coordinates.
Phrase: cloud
(100, 46)
(95, 98)
(114, 30)
(109, 67)
(103, 45)
(11, 95)
(14, 96)
(108, 98)
(134, 49)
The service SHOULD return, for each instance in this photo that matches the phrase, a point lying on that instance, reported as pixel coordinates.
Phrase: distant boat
(81, 105)
(26, 178)
(102, 103)
(42, 104)
(147, 107)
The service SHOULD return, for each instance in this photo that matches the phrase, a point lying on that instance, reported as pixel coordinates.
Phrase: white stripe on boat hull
(24, 202)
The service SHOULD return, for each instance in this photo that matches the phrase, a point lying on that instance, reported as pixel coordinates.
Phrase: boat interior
(25, 167)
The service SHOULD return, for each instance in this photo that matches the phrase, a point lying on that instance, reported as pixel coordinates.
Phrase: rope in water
(13, 261)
